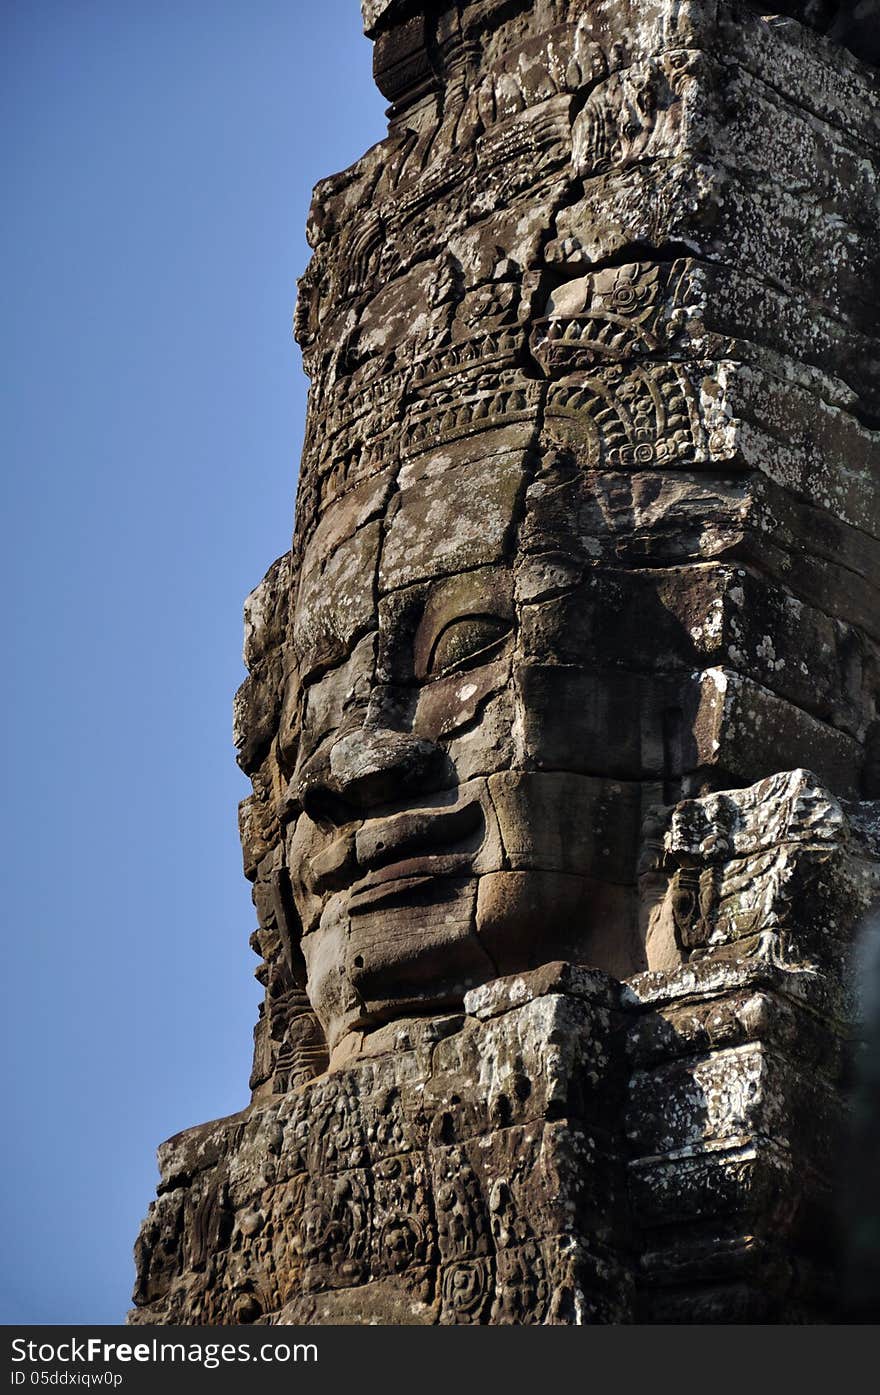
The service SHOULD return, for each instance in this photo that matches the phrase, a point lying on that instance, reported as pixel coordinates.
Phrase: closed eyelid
(485, 593)
(465, 640)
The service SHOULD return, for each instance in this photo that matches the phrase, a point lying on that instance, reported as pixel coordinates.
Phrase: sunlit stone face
(557, 518)
(459, 816)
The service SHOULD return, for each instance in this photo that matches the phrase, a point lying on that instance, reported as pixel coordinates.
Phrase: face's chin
(412, 908)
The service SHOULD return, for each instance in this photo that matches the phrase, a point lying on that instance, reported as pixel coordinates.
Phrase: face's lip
(415, 843)
(400, 881)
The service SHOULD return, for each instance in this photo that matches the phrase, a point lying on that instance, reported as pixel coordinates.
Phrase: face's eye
(466, 642)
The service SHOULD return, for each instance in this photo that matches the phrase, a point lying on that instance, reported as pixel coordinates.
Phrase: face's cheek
(471, 714)
(305, 845)
(312, 715)
(571, 718)
(568, 832)
(525, 919)
(562, 822)
(567, 887)
(326, 953)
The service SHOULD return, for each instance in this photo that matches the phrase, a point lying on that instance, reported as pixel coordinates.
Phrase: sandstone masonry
(562, 710)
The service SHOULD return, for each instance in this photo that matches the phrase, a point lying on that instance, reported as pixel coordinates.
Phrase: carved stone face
(552, 554)
(466, 809)
(511, 645)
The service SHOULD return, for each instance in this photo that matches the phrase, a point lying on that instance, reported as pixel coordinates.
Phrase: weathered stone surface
(569, 680)
(737, 1112)
(380, 1193)
(560, 1151)
(782, 864)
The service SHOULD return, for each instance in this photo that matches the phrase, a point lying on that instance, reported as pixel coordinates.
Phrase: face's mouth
(392, 856)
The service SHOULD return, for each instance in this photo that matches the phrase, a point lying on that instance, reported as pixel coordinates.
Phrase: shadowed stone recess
(562, 710)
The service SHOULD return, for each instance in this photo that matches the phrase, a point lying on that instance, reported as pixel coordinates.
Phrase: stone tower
(562, 715)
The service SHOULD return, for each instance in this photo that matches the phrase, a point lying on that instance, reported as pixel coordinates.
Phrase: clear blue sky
(158, 161)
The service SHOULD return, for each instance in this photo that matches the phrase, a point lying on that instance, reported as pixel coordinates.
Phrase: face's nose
(364, 768)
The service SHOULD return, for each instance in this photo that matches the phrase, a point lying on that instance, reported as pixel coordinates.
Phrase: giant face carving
(504, 652)
(552, 562)
(461, 812)
(443, 838)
